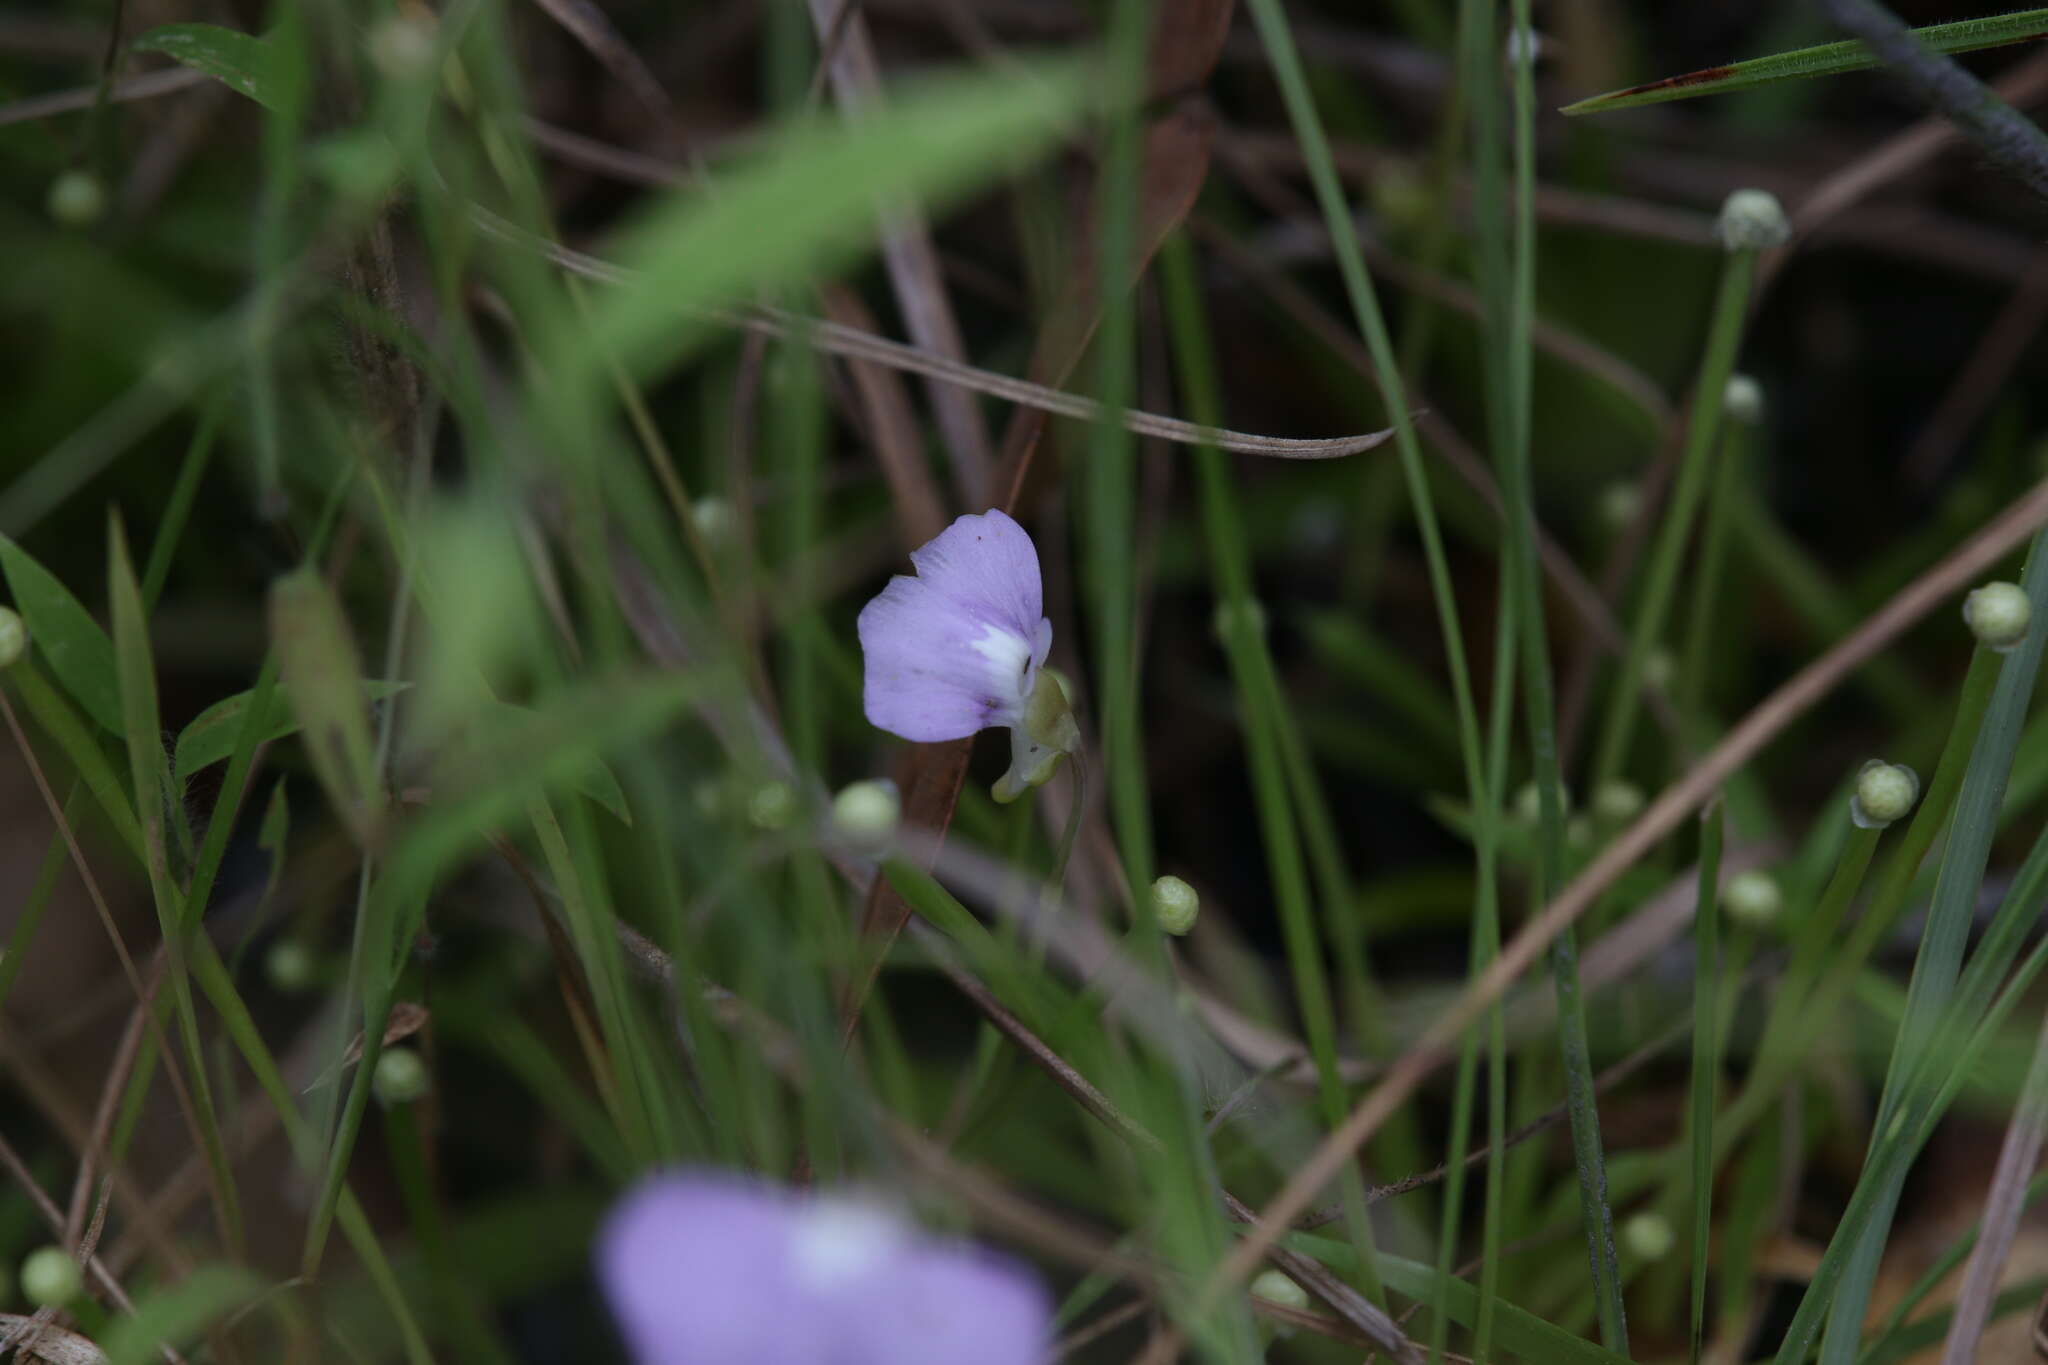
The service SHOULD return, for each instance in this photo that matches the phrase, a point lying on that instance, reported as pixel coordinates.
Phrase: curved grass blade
(1829, 59)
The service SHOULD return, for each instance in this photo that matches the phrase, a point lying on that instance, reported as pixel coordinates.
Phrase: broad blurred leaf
(179, 1312)
(325, 686)
(808, 203)
(240, 61)
(588, 777)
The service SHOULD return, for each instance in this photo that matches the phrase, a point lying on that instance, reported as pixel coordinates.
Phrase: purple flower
(705, 1268)
(961, 648)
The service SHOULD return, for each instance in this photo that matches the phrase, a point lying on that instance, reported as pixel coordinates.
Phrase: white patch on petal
(836, 1240)
(1009, 667)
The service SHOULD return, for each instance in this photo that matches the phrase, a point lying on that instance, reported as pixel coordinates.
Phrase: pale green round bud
(1229, 616)
(401, 1077)
(401, 47)
(50, 1277)
(289, 965)
(713, 519)
(1753, 220)
(77, 199)
(1659, 669)
(1621, 502)
(1400, 198)
(13, 637)
(1275, 1287)
(1175, 904)
(1884, 793)
(1998, 615)
(1578, 832)
(1617, 801)
(1743, 399)
(772, 806)
(866, 813)
(1753, 898)
(1529, 803)
(1649, 1236)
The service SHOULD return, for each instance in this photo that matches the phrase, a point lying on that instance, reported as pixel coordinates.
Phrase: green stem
(1717, 362)
(1706, 1061)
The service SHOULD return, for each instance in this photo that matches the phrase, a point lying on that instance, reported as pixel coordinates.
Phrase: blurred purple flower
(707, 1268)
(961, 648)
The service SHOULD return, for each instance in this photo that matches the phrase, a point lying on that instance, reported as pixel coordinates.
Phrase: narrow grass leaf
(1828, 59)
(211, 736)
(1706, 1060)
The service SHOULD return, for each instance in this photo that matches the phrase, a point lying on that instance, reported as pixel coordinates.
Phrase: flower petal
(988, 565)
(937, 668)
(948, 1304)
(697, 1270)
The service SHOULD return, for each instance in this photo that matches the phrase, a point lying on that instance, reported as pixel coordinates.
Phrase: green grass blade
(1706, 1061)
(64, 633)
(1828, 59)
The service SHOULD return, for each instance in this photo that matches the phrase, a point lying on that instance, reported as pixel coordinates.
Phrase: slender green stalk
(1485, 946)
(1109, 515)
(1660, 578)
(1271, 22)
(1707, 578)
(1706, 1061)
(1251, 669)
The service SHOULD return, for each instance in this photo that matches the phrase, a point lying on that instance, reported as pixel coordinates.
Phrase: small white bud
(77, 199)
(1753, 220)
(1275, 1287)
(289, 965)
(772, 806)
(1998, 615)
(1175, 904)
(401, 1077)
(713, 519)
(402, 46)
(1884, 793)
(1524, 45)
(1529, 803)
(1229, 618)
(1617, 801)
(1754, 898)
(1659, 669)
(1401, 199)
(13, 637)
(50, 1278)
(1620, 503)
(711, 797)
(865, 813)
(1649, 1236)
(1743, 399)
